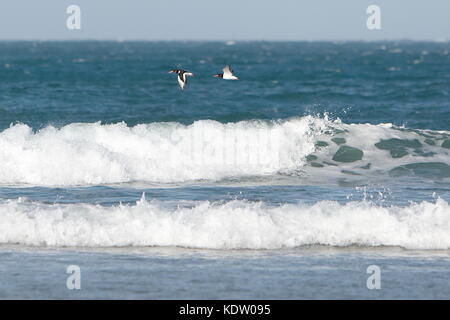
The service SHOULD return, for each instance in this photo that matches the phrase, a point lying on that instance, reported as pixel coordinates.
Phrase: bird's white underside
(181, 83)
(229, 77)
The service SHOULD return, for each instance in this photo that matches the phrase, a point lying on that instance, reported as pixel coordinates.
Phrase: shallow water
(177, 273)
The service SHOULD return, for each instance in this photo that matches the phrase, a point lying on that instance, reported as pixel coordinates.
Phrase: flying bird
(227, 74)
(182, 74)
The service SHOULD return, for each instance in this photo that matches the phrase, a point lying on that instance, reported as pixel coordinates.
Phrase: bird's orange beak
(216, 75)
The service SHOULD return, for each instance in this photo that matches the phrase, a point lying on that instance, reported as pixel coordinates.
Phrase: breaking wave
(95, 153)
(235, 224)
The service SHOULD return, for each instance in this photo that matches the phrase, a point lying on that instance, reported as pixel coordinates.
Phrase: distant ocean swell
(95, 153)
(235, 224)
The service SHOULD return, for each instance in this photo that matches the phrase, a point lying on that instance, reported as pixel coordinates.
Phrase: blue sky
(225, 20)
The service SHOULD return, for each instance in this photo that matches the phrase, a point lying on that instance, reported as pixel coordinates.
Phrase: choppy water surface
(342, 146)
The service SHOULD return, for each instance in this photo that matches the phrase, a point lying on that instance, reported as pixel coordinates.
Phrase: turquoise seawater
(322, 159)
(57, 83)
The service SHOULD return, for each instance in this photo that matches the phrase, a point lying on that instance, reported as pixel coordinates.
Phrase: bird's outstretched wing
(227, 70)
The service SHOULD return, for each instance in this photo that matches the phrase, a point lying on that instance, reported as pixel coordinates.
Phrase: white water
(226, 225)
(79, 154)
(92, 153)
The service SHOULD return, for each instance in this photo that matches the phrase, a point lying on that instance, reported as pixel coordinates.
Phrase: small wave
(226, 225)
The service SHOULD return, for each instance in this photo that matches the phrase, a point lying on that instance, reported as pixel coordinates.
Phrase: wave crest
(92, 153)
(226, 225)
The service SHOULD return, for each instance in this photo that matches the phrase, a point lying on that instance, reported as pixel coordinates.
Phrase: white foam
(230, 225)
(92, 153)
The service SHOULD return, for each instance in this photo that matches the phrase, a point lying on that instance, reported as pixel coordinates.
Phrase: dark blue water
(319, 143)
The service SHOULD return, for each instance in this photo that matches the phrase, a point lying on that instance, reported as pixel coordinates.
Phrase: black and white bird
(182, 74)
(227, 74)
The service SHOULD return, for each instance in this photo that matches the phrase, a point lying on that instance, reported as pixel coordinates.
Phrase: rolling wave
(235, 224)
(95, 153)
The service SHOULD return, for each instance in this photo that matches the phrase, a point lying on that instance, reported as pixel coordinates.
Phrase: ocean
(323, 161)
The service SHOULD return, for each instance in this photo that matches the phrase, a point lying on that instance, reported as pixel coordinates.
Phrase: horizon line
(223, 40)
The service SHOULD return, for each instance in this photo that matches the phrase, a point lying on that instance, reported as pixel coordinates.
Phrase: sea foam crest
(226, 225)
(92, 153)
